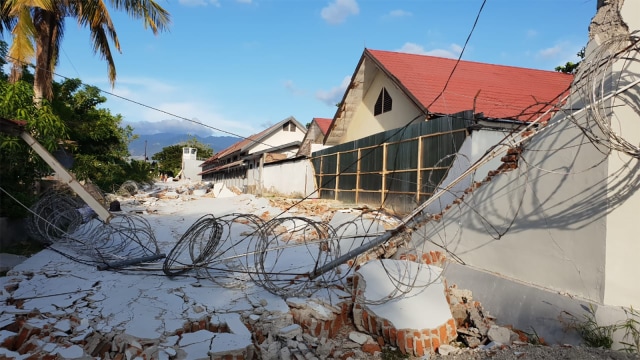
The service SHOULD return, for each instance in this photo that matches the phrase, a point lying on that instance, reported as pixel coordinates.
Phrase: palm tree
(41, 23)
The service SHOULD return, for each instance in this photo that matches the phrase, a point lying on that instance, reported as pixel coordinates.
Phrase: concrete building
(191, 164)
(389, 90)
(314, 137)
(242, 163)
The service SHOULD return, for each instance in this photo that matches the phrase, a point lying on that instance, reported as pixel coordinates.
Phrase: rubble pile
(54, 308)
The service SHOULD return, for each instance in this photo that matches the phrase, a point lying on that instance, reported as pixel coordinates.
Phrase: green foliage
(596, 335)
(392, 353)
(74, 122)
(631, 328)
(19, 165)
(170, 158)
(570, 67)
(100, 142)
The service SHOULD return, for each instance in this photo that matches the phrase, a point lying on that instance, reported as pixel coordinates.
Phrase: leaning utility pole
(16, 128)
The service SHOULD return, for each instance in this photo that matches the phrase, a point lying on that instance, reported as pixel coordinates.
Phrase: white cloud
(338, 11)
(560, 54)
(399, 13)
(152, 106)
(169, 126)
(531, 33)
(552, 52)
(413, 48)
(244, 1)
(291, 87)
(334, 95)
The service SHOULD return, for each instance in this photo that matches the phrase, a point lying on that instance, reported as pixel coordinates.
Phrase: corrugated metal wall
(407, 163)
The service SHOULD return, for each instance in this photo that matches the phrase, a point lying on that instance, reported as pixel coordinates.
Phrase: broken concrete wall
(624, 196)
(556, 235)
(474, 147)
(561, 221)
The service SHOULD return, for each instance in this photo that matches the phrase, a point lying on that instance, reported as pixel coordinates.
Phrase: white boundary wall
(292, 178)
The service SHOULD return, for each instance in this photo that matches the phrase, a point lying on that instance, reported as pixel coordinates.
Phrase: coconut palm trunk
(37, 28)
(47, 25)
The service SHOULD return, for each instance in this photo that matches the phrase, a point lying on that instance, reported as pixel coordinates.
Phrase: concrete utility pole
(16, 128)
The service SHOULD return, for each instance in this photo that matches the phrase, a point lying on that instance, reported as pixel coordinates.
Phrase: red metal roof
(323, 124)
(498, 91)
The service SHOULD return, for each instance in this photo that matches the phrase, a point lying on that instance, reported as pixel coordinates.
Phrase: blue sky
(242, 65)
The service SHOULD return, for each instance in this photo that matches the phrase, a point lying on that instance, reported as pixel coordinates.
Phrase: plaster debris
(51, 304)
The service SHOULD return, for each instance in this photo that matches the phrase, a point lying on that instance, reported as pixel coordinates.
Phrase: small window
(289, 127)
(383, 104)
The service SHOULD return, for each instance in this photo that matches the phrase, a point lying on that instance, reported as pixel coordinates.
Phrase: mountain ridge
(154, 143)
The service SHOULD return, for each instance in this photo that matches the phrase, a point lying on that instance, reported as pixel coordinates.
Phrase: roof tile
(498, 91)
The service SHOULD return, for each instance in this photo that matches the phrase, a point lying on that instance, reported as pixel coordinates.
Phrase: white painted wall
(474, 147)
(278, 178)
(623, 247)
(566, 219)
(364, 123)
(192, 169)
(278, 138)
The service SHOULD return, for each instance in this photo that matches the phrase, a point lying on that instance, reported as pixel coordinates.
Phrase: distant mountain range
(155, 143)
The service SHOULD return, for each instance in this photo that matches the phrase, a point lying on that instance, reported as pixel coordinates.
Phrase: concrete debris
(501, 335)
(52, 306)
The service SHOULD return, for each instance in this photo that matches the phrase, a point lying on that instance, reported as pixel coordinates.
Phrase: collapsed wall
(563, 221)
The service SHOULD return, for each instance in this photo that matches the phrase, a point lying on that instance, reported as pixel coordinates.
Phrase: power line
(7, 57)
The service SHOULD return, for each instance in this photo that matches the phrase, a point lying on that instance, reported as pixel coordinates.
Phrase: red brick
(409, 338)
(435, 343)
(401, 342)
(373, 326)
(28, 347)
(443, 334)
(9, 342)
(371, 348)
(419, 348)
(452, 328)
(23, 336)
(365, 320)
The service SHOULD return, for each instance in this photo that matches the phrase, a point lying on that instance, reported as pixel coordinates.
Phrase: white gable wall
(277, 138)
(364, 123)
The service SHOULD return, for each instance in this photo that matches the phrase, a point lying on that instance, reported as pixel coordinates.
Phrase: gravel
(537, 352)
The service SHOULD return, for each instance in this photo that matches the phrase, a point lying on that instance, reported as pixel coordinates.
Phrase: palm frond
(153, 15)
